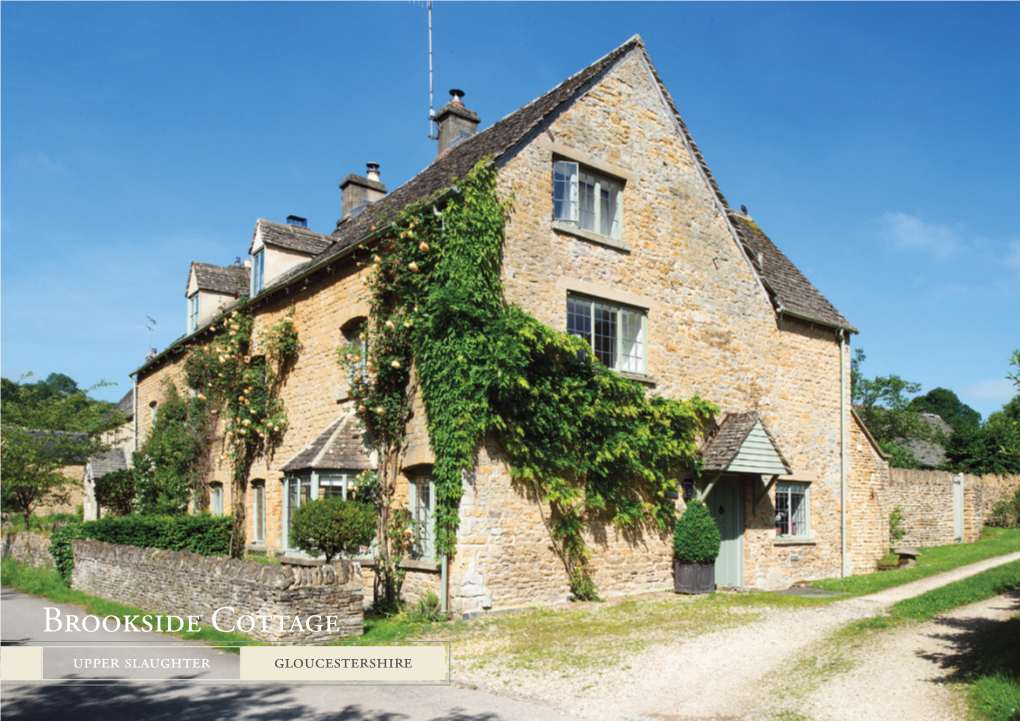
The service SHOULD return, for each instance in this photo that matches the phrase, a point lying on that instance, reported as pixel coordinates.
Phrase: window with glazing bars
(592, 201)
(616, 333)
(259, 510)
(258, 272)
(422, 501)
(791, 509)
(193, 313)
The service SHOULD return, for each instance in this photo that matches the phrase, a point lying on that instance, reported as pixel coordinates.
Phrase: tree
(944, 403)
(333, 527)
(45, 428)
(992, 447)
(884, 406)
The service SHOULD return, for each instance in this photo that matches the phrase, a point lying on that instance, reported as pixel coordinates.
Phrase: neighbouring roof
(930, 453)
(114, 459)
(293, 237)
(339, 447)
(743, 443)
(126, 405)
(229, 279)
(786, 286)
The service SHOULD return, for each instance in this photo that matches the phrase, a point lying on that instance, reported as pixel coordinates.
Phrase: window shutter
(565, 190)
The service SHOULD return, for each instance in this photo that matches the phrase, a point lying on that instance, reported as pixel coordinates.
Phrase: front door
(724, 504)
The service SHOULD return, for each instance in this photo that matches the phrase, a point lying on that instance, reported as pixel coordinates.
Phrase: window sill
(794, 541)
(570, 229)
(640, 378)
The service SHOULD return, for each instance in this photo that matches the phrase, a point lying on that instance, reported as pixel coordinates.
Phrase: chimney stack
(456, 123)
(359, 193)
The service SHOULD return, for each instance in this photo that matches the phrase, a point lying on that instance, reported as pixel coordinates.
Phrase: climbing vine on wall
(240, 376)
(593, 445)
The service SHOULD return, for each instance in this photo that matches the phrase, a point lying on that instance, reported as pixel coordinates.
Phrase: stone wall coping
(408, 564)
(796, 541)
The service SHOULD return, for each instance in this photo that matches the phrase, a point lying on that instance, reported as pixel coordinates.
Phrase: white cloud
(1012, 258)
(37, 161)
(998, 391)
(908, 232)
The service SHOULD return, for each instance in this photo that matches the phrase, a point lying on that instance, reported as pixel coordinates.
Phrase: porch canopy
(743, 444)
(340, 446)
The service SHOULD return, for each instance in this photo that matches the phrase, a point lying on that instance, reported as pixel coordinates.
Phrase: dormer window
(193, 316)
(591, 201)
(258, 272)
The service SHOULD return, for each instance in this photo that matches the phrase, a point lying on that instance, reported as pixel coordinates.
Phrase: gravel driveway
(787, 665)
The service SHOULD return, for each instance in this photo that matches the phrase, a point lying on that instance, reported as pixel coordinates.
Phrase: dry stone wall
(29, 548)
(926, 500)
(187, 584)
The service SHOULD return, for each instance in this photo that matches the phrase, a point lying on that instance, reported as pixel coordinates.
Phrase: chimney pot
(456, 123)
(359, 192)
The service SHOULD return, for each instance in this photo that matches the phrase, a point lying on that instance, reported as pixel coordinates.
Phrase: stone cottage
(620, 232)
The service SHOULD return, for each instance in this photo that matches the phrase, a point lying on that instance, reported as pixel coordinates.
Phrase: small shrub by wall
(187, 584)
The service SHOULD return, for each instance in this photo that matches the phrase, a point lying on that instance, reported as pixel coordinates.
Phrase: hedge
(204, 535)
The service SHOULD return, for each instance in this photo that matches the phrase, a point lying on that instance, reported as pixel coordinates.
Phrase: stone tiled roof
(293, 237)
(228, 279)
(930, 453)
(721, 448)
(341, 446)
(787, 286)
(783, 281)
(114, 459)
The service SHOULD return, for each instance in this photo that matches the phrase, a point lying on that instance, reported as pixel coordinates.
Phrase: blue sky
(877, 145)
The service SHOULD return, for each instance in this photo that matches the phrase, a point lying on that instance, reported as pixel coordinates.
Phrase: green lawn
(994, 542)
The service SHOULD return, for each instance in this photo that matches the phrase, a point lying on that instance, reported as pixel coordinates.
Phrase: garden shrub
(333, 527)
(116, 491)
(696, 537)
(204, 535)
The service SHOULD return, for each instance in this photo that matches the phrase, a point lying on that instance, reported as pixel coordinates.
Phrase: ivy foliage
(696, 537)
(593, 445)
(240, 374)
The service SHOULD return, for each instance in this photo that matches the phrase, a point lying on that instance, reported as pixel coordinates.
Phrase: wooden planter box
(692, 577)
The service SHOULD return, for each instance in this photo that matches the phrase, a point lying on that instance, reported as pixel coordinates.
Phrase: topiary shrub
(333, 527)
(696, 537)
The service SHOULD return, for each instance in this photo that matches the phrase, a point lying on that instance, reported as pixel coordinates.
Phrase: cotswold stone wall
(186, 584)
(29, 548)
(868, 518)
(926, 500)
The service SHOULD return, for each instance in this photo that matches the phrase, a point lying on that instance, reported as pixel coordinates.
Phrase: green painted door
(724, 503)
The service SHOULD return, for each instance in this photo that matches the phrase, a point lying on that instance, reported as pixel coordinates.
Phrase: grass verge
(994, 676)
(47, 583)
(994, 542)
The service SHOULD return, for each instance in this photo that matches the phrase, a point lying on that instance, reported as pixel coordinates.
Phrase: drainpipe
(443, 585)
(842, 449)
(134, 417)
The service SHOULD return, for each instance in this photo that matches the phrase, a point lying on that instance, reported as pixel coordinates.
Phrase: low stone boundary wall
(183, 584)
(926, 499)
(29, 548)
